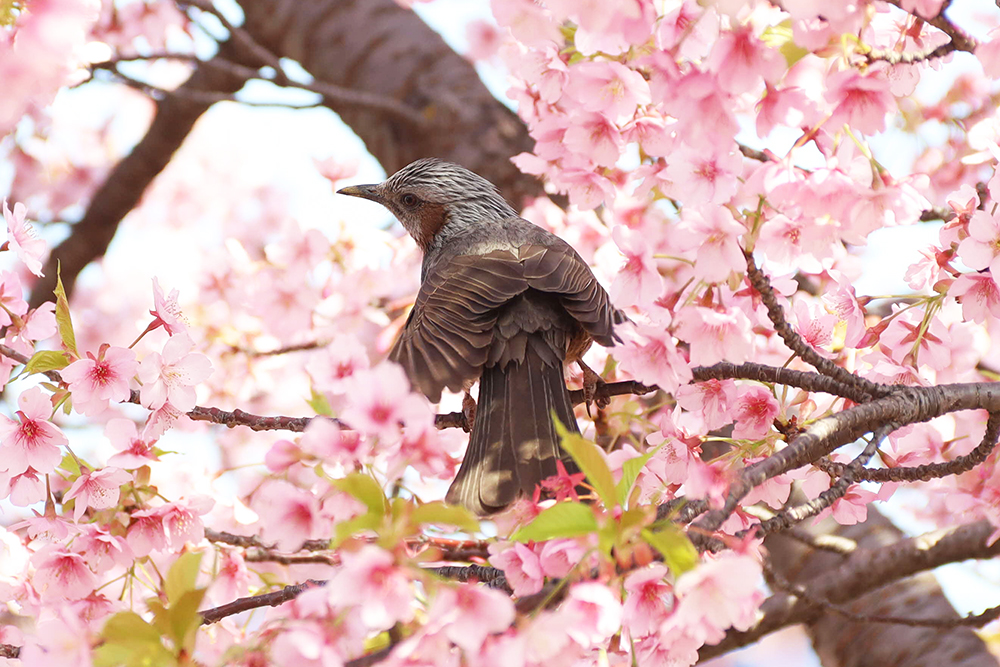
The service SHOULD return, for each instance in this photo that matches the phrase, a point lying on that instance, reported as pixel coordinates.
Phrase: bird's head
(429, 195)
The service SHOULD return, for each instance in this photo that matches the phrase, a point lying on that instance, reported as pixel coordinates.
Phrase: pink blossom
(756, 409)
(99, 489)
(850, 315)
(799, 243)
(638, 282)
(558, 557)
(704, 112)
(988, 53)
(331, 368)
(95, 381)
(62, 573)
(981, 250)
(860, 101)
(146, 533)
(370, 582)
(133, 451)
(713, 400)
(715, 336)
(380, 401)
(704, 176)
(30, 441)
(484, 40)
(670, 462)
(650, 355)
(979, 295)
(170, 377)
(814, 324)
(61, 640)
(233, 580)
(715, 238)
(289, 515)
(781, 106)
(720, 593)
(851, 508)
(166, 311)
(528, 22)
(587, 189)
(36, 325)
(102, 550)
(648, 601)
(741, 60)
(11, 298)
(594, 137)
(469, 613)
(22, 238)
(706, 481)
(608, 88)
(596, 614)
(24, 489)
(521, 566)
(908, 339)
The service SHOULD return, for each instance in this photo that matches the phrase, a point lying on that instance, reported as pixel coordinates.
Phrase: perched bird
(501, 301)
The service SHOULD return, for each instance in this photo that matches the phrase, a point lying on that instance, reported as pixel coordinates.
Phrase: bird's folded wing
(562, 271)
(448, 335)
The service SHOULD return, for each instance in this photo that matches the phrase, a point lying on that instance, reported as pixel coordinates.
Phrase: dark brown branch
(795, 342)
(274, 599)
(928, 471)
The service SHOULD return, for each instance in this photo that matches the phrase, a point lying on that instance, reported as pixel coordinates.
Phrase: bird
(503, 302)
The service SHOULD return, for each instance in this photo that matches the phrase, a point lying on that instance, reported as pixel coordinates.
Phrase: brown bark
(378, 47)
(841, 642)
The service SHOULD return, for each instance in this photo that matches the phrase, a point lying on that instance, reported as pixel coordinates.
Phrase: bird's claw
(591, 381)
(468, 412)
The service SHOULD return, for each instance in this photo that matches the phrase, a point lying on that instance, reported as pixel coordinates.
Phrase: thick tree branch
(863, 571)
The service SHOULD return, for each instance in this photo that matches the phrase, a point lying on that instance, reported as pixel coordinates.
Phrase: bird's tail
(514, 444)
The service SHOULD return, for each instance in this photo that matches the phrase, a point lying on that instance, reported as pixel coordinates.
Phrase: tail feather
(514, 444)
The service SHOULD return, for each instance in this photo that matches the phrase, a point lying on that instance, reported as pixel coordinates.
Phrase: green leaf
(319, 404)
(566, 519)
(365, 489)
(630, 471)
(182, 576)
(46, 360)
(63, 320)
(350, 527)
(678, 552)
(185, 619)
(129, 625)
(590, 458)
(129, 640)
(780, 38)
(449, 515)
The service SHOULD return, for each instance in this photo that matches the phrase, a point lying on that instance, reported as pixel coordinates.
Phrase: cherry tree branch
(861, 572)
(960, 41)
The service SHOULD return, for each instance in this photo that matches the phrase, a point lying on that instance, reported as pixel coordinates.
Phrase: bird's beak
(363, 191)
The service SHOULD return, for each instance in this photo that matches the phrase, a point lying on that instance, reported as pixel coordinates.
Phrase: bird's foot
(468, 412)
(591, 381)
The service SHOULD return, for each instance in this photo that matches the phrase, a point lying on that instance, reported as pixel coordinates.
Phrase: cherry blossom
(166, 312)
(470, 613)
(31, 440)
(370, 583)
(134, 451)
(521, 565)
(63, 574)
(719, 594)
(98, 489)
(22, 238)
(648, 601)
(171, 377)
(756, 409)
(94, 381)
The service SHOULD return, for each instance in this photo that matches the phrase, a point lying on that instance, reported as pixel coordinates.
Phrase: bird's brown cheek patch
(432, 219)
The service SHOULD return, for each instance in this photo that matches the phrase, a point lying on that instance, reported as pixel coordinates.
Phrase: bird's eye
(409, 200)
